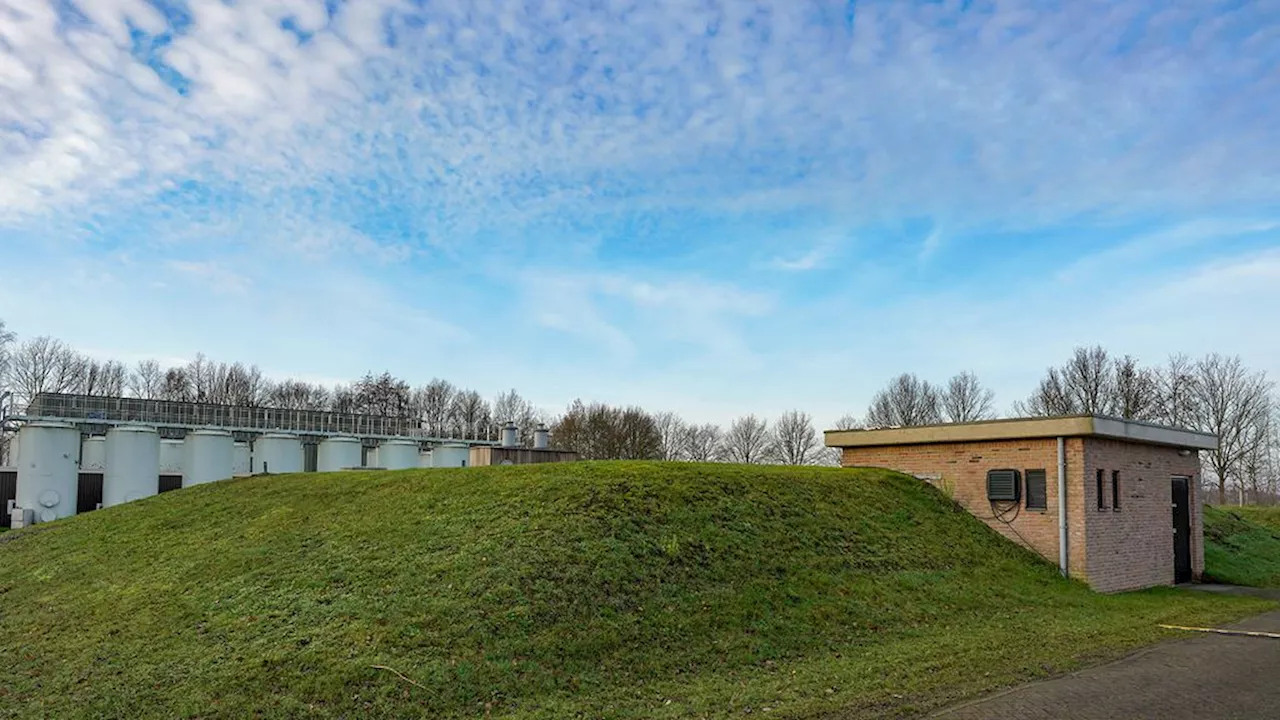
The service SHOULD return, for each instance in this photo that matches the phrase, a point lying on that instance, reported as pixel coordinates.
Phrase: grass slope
(619, 590)
(1242, 545)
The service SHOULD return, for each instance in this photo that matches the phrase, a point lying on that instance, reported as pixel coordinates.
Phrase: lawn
(602, 590)
(1242, 545)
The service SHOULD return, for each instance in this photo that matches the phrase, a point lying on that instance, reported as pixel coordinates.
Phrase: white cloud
(1016, 114)
(214, 275)
(1152, 247)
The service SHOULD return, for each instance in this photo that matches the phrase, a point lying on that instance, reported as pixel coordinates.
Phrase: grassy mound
(1242, 545)
(620, 590)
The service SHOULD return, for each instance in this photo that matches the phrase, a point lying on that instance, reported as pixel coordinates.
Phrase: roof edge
(1025, 429)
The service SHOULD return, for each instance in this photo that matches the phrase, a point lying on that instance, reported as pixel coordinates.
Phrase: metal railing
(95, 410)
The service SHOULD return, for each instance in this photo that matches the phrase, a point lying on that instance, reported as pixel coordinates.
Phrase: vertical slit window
(1102, 495)
(1115, 490)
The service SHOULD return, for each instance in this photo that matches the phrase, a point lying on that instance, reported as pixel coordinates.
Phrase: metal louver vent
(1004, 486)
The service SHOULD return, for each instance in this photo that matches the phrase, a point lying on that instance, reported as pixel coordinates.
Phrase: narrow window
(1037, 498)
(1115, 490)
(1102, 495)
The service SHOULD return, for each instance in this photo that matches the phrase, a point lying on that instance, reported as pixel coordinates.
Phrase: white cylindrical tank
(93, 454)
(450, 455)
(133, 464)
(338, 453)
(277, 453)
(48, 472)
(424, 459)
(240, 464)
(510, 435)
(14, 445)
(541, 437)
(207, 456)
(171, 457)
(398, 454)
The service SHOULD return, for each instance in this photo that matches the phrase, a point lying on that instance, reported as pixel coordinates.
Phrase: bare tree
(177, 386)
(384, 395)
(510, 407)
(702, 442)
(1177, 392)
(673, 433)
(747, 441)
(795, 440)
(1136, 391)
(600, 432)
(146, 380)
(1232, 402)
(966, 400)
(101, 379)
(297, 395)
(6, 341)
(906, 401)
(43, 365)
(433, 403)
(469, 414)
(848, 421)
(1085, 385)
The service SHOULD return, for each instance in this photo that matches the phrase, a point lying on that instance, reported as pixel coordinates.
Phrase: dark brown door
(1181, 530)
(8, 491)
(89, 496)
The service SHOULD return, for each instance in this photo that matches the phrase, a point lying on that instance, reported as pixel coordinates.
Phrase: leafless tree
(1232, 402)
(1085, 385)
(101, 379)
(747, 441)
(343, 399)
(673, 433)
(848, 422)
(297, 395)
(1092, 382)
(1137, 391)
(906, 401)
(433, 402)
(702, 442)
(6, 341)
(469, 414)
(597, 431)
(966, 400)
(43, 365)
(177, 386)
(795, 440)
(146, 381)
(1177, 392)
(384, 395)
(511, 407)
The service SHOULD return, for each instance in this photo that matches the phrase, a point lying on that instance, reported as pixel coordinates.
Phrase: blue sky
(708, 207)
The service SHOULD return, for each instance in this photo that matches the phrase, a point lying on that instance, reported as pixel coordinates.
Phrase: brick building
(1131, 512)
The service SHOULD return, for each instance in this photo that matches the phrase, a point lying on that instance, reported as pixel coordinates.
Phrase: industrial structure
(1115, 503)
(77, 453)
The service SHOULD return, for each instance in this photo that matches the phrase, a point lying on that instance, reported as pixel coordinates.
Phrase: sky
(713, 208)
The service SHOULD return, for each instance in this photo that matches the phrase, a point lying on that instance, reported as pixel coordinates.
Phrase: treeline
(1214, 394)
(596, 430)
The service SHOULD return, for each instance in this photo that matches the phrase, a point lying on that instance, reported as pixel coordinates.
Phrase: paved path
(1206, 676)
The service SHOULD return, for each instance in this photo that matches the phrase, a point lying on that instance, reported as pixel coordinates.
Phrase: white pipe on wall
(1063, 556)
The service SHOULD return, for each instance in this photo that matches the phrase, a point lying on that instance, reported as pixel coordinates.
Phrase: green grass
(1242, 545)
(601, 590)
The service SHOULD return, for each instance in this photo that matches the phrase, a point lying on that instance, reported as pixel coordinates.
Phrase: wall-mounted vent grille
(1004, 486)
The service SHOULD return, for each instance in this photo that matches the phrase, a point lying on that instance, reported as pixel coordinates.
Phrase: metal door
(1181, 530)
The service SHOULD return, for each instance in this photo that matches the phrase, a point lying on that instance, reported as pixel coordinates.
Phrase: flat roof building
(1114, 503)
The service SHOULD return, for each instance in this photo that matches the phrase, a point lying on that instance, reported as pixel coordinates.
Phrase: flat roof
(1025, 428)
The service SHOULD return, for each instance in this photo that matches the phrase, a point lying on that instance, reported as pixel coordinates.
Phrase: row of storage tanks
(50, 457)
